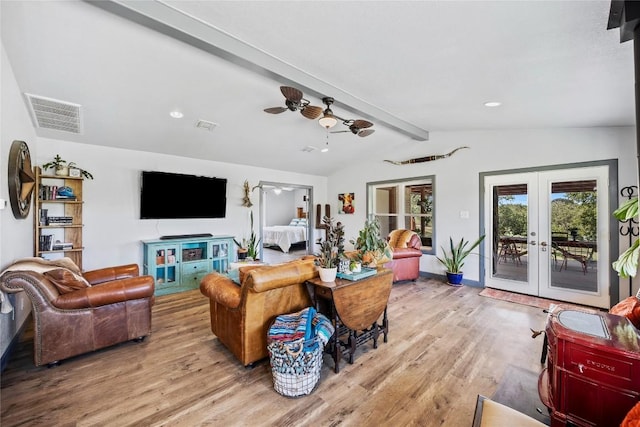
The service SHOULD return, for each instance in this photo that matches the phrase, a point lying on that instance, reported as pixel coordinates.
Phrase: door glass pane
(574, 251)
(510, 222)
(419, 203)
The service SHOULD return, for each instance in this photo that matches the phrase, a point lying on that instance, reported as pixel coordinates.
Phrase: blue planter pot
(454, 279)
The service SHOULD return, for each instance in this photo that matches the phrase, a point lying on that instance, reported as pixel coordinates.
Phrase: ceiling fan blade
(311, 112)
(275, 110)
(362, 124)
(291, 93)
(365, 132)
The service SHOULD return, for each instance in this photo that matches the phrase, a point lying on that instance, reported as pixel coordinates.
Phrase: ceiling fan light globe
(327, 121)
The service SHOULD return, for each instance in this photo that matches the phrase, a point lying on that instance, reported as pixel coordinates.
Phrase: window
(407, 203)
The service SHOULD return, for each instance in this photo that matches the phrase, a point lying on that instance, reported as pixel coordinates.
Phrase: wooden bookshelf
(68, 233)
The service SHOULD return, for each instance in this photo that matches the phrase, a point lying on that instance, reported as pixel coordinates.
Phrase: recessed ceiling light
(324, 150)
(492, 104)
(176, 114)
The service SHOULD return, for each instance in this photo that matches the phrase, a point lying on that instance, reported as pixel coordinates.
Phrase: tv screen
(170, 195)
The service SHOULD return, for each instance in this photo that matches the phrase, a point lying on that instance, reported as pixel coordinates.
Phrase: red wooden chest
(593, 367)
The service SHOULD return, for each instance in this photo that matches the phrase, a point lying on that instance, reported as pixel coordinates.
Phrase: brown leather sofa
(74, 312)
(242, 313)
(406, 254)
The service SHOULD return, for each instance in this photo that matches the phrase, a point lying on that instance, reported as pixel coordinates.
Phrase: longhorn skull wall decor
(425, 159)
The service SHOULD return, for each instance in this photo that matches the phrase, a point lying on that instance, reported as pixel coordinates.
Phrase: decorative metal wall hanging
(21, 179)
(630, 226)
(425, 159)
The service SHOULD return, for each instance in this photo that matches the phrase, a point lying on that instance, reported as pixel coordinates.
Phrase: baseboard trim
(443, 278)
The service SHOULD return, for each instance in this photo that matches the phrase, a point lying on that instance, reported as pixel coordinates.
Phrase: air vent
(204, 124)
(53, 114)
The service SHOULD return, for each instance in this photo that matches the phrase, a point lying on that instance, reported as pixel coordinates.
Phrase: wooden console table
(354, 308)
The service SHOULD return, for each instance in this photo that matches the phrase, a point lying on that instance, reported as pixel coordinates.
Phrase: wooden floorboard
(446, 346)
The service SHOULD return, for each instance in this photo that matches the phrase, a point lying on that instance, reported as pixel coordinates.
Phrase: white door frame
(611, 193)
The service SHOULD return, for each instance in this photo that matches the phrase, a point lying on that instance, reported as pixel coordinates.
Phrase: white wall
(281, 208)
(457, 177)
(16, 235)
(112, 228)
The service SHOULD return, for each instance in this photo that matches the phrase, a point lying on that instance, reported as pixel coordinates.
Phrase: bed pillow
(294, 222)
(302, 222)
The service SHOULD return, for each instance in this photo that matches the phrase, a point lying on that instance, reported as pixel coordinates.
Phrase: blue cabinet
(180, 265)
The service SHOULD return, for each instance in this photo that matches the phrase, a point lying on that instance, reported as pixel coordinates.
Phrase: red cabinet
(593, 368)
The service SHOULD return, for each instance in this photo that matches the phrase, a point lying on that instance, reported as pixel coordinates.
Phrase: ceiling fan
(294, 101)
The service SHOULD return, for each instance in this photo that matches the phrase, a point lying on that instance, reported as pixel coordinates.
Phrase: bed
(285, 235)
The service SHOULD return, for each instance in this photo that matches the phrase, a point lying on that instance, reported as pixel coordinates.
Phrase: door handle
(543, 246)
(532, 243)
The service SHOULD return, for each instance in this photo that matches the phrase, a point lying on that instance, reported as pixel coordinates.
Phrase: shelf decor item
(62, 168)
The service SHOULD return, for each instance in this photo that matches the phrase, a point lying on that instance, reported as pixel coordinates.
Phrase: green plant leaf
(627, 264)
(627, 210)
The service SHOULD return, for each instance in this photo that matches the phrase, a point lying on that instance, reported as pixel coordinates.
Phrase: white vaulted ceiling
(421, 66)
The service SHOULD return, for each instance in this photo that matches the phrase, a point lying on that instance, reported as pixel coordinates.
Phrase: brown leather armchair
(241, 313)
(72, 317)
(406, 246)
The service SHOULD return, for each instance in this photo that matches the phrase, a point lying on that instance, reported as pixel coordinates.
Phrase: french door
(547, 234)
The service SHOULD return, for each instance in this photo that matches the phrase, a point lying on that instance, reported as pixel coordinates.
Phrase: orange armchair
(74, 312)
(406, 246)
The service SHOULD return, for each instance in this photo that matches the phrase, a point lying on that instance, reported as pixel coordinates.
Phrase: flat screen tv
(166, 195)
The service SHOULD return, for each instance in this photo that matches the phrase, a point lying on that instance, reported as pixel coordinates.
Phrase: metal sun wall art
(346, 203)
(425, 159)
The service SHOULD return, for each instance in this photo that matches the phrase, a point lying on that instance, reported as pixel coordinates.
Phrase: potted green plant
(252, 242)
(627, 263)
(371, 248)
(331, 250)
(242, 249)
(62, 168)
(59, 166)
(454, 259)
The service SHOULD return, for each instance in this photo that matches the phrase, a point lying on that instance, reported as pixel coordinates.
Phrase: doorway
(285, 221)
(548, 233)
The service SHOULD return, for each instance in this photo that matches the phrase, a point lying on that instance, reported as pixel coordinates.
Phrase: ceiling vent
(204, 124)
(53, 114)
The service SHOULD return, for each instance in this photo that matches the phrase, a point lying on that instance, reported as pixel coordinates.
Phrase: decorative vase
(328, 274)
(62, 171)
(454, 279)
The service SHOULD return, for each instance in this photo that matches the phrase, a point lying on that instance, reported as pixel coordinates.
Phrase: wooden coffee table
(354, 308)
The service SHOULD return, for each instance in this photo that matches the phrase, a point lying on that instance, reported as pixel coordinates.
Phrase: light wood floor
(446, 345)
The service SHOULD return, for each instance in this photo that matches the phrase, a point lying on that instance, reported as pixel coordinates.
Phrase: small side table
(354, 308)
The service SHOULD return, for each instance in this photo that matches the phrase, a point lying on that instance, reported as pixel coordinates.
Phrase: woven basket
(295, 371)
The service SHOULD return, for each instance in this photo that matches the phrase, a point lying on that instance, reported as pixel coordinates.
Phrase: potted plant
(454, 259)
(62, 168)
(59, 166)
(250, 245)
(331, 250)
(242, 249)
(372, 249)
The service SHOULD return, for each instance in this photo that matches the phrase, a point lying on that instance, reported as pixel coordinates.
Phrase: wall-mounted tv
(172, 196)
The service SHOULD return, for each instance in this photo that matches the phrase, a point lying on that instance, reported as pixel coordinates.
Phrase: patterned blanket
(307, 324)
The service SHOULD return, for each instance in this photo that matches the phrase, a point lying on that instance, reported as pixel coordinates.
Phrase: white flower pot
(328, 274)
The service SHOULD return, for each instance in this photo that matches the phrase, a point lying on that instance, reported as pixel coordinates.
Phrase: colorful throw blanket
(307, 324)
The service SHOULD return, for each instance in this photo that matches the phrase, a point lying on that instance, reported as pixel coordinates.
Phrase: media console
(178, 264)
(184, 236)
(592, 376)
